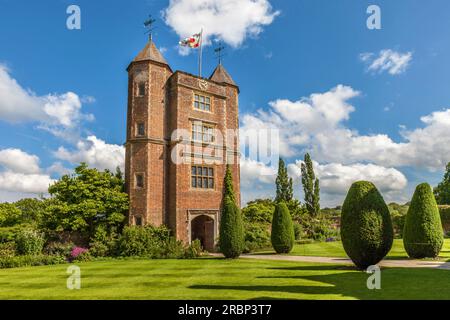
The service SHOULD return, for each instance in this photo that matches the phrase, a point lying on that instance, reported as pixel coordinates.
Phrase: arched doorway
(202, 228)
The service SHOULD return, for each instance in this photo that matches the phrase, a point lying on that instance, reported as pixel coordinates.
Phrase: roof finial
(148, 24)
(219, 52)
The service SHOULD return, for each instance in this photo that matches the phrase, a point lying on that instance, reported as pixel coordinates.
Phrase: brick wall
(167, 196)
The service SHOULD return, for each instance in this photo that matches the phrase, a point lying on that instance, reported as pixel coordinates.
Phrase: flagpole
(200, 54)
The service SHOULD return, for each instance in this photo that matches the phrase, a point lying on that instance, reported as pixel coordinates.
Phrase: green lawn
(335, 249)
(215, 278)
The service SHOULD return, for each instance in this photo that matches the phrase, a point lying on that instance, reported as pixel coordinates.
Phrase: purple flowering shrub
(79, 254)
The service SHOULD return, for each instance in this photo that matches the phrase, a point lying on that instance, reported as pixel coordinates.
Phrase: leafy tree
(259, 211)
(311, 187)
(285, 191)
(366, 226)
(231, 235)
(422, 234)
(282, 234)
(10, 215)
(442, 191)
(32, 210)
(85, 200)
(398, 215)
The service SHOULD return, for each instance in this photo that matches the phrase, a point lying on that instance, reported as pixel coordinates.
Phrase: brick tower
(181, 132)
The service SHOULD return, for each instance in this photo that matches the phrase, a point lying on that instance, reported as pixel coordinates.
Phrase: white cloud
(21, 174)
(300, 121)
(318, 125)
(96, 153)
(387, 60)
(24, 183)
(231, 21)
(58, 113)
(254, 172)
(336, 178)
(17, 160)
(58, 168)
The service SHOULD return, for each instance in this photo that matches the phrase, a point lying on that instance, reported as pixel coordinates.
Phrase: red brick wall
(168, 105)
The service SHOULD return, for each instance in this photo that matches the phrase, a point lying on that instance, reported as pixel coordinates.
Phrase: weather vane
(148, 24)
(219, 52)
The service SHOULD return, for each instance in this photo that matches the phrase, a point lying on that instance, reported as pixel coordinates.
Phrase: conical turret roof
(150, 52)
(222, 76)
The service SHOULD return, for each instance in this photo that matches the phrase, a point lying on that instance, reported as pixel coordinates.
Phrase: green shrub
(8, 234)
(29, 242)
(194, 250)
(103, 243)
(171, 248)
(7, 249)
(298, 231)
(366, 227)
(231, 236)
(423, 234)
(135, 241)
(282, 234)
(55, 248)
(149, 241)
(445, 216)
(256, 236)
(322, 230)
(84, 257)
(29, 260)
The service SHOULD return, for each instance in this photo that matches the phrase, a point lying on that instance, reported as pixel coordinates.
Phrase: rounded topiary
(282, 235)
(231, 236)
(422, 234)
(366, 226)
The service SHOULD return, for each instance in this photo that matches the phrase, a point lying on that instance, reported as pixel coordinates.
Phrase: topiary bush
(366, 226)
(423, 235)
(231, 235)
(29, 242)
(282, 234)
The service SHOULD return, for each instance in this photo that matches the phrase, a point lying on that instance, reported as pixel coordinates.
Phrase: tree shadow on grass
(335, 282)
(324, 267)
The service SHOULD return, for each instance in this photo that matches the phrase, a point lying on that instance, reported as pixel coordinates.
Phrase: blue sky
(299, 48)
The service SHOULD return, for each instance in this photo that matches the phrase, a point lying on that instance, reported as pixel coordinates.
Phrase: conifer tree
(231, 235)
(311, 187)
(282, 235)
(285, 191)
(422, 233)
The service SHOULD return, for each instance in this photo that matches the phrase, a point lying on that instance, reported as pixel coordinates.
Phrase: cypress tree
(231, 234)
(285, 190)
(311, 188)
(422, 233)
(282, 234)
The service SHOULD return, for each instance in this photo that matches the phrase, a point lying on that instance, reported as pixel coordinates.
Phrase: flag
(193, 41)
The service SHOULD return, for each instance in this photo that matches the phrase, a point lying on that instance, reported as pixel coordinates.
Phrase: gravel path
(384, 263)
